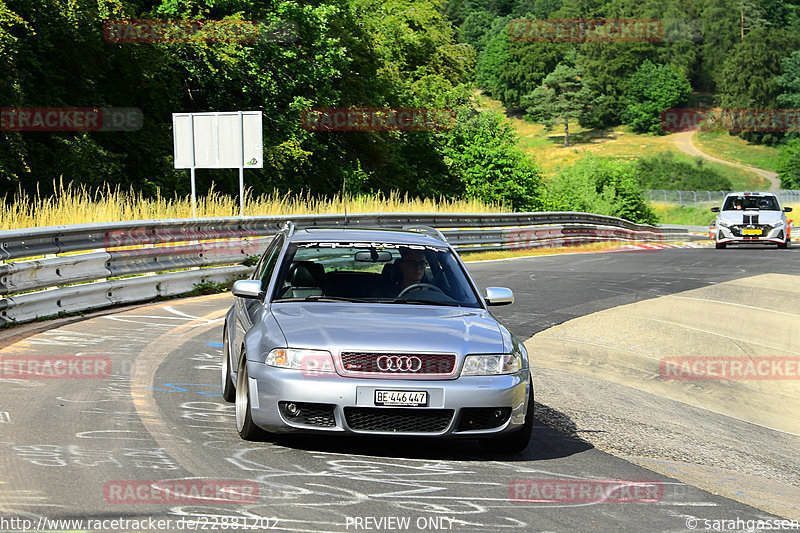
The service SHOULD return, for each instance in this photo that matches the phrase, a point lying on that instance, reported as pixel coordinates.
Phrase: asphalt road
(76, 448)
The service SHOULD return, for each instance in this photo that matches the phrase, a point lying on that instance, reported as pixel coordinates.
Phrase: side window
(259, 270)
(269, 260)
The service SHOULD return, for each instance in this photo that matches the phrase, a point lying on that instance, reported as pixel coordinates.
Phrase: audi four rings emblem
(399, 363)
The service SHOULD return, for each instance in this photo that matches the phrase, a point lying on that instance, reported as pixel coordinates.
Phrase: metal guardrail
(37, 282)
(709, 198)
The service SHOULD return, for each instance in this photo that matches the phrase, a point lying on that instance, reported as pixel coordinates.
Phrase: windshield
(386, 273)
(742, 203)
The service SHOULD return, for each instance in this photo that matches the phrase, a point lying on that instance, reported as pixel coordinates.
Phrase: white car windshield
(749, 203)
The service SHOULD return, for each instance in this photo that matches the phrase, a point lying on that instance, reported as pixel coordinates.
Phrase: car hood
(388, 327)
(764, 217)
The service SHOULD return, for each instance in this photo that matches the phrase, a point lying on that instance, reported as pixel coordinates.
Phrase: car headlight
(777, 224)
(723, 223)
(307, 360)
(491, 365)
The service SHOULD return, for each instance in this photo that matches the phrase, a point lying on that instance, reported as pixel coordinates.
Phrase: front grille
(398, 420)
(310, 414)
(475, 418)
(422, 364)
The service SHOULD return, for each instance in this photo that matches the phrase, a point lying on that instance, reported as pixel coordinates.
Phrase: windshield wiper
(418, 301)
(315, 298)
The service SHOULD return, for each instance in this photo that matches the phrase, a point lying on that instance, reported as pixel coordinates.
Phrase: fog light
(292, 409)
(498, 413)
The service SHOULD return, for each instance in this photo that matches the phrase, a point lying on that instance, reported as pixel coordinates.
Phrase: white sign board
(229, 139)
(218, 140)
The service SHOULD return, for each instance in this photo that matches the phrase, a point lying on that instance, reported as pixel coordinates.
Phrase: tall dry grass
(79, 204)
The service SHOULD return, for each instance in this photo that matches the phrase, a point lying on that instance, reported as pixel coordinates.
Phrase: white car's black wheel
(228, 388)
(720, 246)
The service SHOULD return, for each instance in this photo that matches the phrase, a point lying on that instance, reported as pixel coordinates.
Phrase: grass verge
(732, 148)
(509, 254)
(78, 205)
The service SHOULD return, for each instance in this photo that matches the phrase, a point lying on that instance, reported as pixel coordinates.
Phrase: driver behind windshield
(411, 266)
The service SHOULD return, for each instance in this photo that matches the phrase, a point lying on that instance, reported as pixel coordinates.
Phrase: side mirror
(787, 209)
(247, 288)
(498, 296)
(715, 209)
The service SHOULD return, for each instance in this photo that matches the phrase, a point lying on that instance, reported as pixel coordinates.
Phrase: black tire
(518, 440)
(244, 420)
(228, 388)
(720, 246)
(784, 245)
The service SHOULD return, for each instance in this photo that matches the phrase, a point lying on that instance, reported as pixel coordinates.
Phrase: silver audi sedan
(374, 332)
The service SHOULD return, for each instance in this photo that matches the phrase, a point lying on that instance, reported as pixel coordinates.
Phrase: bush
(665, 171)
(789, 165)
(480, 153)
(601, 185)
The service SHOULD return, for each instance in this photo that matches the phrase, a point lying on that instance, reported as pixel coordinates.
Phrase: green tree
(721, 32)
(475, 29)
(480, 153)
(789, 165)
(563, 96)
(789, 81)
(749, 73)
(651, 90)
(607, 68)
(494, 60)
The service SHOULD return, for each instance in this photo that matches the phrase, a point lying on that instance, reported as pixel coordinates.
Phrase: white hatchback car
(752, 218)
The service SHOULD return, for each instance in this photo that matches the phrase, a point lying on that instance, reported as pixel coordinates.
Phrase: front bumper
(736, 235)
(471, 406)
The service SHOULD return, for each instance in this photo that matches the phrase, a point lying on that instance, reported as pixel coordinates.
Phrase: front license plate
(405, 398)
(751, 232)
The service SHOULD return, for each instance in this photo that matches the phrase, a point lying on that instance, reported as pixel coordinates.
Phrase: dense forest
(389, 53)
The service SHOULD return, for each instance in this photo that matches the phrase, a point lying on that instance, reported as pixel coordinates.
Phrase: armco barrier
(183, 252)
